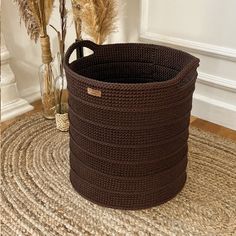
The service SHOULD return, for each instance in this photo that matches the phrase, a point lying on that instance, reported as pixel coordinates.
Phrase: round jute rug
(38, 199)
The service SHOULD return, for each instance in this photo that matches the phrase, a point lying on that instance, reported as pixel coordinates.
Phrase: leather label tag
(94, 92)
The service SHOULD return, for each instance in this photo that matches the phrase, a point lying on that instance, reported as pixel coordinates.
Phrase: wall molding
(215, 110)
(188, 45)
(217, 82)
(205, 106)
(179, 43)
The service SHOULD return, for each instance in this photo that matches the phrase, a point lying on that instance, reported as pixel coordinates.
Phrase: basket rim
(194, 62)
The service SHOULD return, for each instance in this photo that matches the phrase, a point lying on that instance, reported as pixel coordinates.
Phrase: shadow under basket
(129, 112)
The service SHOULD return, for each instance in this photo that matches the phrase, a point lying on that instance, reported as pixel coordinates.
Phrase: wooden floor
(196, 122)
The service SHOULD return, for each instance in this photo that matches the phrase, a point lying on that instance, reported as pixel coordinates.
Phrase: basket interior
(132, 65)
(127, 72)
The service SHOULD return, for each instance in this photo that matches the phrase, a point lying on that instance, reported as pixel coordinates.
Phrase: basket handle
(79, 44)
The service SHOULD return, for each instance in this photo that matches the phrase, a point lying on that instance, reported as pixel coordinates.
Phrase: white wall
(205, 28)
(25, 54)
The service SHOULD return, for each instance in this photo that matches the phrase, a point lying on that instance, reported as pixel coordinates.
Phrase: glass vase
(47, 79)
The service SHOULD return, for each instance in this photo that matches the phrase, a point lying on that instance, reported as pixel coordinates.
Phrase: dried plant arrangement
(98, 17)
(36, 15)
(76, 8)
(27, 16)
(61, 34)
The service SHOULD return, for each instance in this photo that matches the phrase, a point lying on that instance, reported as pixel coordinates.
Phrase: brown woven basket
(129, 111)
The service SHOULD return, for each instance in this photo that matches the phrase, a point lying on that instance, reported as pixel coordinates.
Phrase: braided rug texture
(38, 199)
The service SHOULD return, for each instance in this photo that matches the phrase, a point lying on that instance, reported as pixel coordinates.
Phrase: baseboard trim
(215, 111)
(217, 82)
(15, 108)
(31, 94)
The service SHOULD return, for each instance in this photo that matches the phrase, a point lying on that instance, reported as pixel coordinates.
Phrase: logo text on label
(94, 92)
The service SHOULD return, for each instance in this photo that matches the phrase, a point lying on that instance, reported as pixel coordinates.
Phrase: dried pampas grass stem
(76, 8)
(98, 18)
(61, 34)
(36, 15)
(28, 17)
